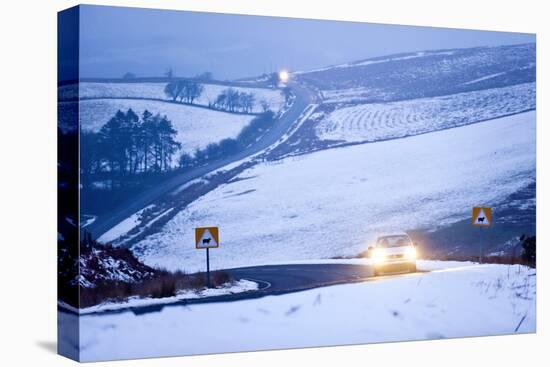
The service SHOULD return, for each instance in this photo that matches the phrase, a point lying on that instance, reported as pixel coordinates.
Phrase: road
(103, 223)
(280, 279)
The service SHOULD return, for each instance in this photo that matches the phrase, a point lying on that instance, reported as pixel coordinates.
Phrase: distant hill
(428, 73)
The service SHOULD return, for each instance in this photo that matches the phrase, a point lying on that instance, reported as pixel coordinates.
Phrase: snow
(99, 264)
(304, 116)
(86, 220)
(123, 227)
(335, 202)
(485, 300)
(377, 121)
(188, 184)
(156, 91)
(377, 61)
(242, 285)
(196, 126)
(490, 76)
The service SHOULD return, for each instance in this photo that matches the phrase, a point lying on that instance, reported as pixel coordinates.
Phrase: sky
(116, 40)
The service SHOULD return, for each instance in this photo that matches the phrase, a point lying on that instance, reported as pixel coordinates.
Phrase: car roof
(392, 235)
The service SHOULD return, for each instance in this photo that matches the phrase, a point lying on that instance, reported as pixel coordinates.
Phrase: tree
(232, 100)
(192, 90)
(116, 138)
(185, 160)
(145, 139)
(249, 134)
(247, 102)
(184, 90)
(200, 155)
(169, 73)
(264, 105)
(131, 145)
(287, 93)
(165, 146)
(206, 76)
(228, 146)
(129, 75)
(173, 90)
(273, 80)
(228, 99)
(90, 157)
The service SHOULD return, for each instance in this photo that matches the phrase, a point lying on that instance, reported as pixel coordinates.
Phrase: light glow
(410, 253)
(378, 255)
(284, 76)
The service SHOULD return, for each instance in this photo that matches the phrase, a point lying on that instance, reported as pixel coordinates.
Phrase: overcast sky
(148, 42)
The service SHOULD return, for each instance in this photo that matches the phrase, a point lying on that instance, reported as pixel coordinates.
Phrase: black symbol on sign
(481, 220)
(206, 241)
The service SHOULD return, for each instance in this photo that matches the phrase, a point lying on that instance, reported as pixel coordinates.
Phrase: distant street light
(284, 76)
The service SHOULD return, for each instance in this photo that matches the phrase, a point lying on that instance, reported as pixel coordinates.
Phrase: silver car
(393, 253)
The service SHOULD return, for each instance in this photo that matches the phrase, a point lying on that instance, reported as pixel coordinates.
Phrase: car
(394, 252)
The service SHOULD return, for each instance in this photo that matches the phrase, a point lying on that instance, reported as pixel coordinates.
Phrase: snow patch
(123, 227)
(242, 285)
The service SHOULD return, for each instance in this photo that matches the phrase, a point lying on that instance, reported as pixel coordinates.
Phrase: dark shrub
(529, 254)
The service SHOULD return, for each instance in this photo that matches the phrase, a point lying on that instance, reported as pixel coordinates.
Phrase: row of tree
(232, 100)
(183, 90)
(127, 145)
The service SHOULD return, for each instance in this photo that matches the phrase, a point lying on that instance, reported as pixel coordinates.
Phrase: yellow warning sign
(481, 217)
(207, 237)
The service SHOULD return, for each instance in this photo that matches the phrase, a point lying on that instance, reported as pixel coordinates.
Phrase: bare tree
(265, 105)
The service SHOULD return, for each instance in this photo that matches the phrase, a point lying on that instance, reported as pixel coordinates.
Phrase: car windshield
(393, 241)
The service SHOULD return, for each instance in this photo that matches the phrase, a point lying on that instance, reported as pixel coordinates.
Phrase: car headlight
(410, 253)
(378, 255)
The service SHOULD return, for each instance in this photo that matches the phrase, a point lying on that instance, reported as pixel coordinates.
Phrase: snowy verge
(242, 285)
(465, 301)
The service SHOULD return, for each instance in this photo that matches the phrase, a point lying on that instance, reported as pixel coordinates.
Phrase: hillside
(427, 73)
(155, 90)
(380, 121)
(196, 127)
(335, 202)
(406, 142)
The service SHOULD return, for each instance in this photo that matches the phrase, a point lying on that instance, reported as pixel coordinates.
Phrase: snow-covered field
(334, 202)
(378, 121)
(156, 91)
(451, 301)
(197, 127)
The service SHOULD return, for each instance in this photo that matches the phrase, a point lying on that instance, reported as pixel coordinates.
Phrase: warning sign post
(207, 238)
(482, 217)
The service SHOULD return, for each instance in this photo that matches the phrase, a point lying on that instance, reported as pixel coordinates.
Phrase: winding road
(276, 280)
(103, 223)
